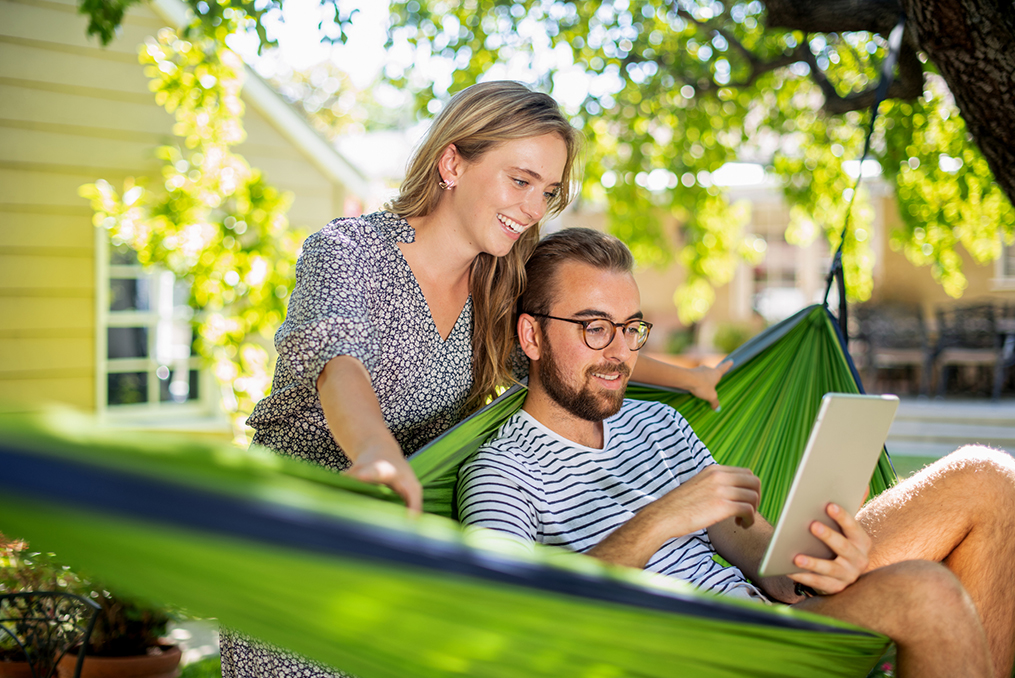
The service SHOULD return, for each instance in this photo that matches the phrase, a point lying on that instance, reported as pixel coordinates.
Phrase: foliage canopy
(669, 92)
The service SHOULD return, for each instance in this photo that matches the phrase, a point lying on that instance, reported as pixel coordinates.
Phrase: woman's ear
(529, 336)
(450, 165)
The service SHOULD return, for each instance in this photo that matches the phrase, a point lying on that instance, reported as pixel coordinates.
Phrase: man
(629, 482)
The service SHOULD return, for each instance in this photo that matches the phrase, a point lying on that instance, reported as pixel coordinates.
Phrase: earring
(446, 185)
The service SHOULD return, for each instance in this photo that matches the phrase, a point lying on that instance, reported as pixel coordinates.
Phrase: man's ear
(529, 336)
(450, 164)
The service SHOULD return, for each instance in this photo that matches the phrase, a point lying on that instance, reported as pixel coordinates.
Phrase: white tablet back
(836, 467)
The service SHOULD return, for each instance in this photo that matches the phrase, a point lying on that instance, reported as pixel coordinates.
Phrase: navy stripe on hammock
(53, 480)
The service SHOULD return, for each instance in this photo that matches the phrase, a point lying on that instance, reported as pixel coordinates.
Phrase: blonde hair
(476, 120)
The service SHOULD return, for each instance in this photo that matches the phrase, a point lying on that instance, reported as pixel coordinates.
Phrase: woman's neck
(440, 251)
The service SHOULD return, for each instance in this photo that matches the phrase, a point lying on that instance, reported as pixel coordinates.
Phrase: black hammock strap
(836, 272)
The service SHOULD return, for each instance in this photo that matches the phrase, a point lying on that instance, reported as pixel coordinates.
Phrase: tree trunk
(972, 43)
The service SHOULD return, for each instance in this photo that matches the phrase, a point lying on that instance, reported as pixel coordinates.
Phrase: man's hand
(704, 381)
(851, 549)
(712, 496)
(383, 466)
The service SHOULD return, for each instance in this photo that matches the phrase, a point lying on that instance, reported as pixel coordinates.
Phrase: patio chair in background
(967, 337)
(895, 338)
(1006, 336)
(44, 626)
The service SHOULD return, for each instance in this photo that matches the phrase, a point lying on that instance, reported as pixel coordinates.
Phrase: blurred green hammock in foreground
(333, 569)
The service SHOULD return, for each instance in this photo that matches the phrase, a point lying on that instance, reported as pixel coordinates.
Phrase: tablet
(841, 453)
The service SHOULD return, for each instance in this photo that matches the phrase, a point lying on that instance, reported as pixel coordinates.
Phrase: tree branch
(758, 66)
(908, 85)
(833, 16)
(971, 43)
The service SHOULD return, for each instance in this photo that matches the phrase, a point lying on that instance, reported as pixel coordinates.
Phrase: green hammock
(333, 569)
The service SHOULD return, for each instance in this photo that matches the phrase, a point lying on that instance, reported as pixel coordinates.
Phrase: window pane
(127, 342)
(122, 255)
(127, 388)
(1009, 261)
(176, 389)
(181, 294)
(129, 294)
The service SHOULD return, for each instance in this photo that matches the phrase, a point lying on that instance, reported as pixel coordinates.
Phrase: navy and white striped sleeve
(496, 491)
(693, 450)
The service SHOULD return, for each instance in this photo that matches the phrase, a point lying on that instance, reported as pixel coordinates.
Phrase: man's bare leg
(923, 608)
(960, 511)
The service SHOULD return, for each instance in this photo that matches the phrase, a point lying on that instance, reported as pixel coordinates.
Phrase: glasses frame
(585, 325)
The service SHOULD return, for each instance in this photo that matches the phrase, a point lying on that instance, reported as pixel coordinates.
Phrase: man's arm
(716, 494)
(496, 491)
(745, 549)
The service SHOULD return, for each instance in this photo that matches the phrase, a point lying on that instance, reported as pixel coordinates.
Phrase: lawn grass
(906, 466)
(209, 667)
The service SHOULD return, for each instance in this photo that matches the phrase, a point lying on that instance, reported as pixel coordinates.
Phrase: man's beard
(581, 401)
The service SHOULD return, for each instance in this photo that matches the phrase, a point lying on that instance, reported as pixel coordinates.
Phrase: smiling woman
(402, 321)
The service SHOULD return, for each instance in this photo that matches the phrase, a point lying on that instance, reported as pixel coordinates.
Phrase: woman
(401, 321)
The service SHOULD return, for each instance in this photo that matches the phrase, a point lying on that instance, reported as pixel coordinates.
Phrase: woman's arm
(699, 381)
(355, 420)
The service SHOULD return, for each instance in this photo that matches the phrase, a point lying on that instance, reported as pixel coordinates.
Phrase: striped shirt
(535, 485)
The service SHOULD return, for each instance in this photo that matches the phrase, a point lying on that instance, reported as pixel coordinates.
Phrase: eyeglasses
(600, 332)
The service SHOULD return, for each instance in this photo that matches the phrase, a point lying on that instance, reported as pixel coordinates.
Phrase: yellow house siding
(73, 112)
(65, 120)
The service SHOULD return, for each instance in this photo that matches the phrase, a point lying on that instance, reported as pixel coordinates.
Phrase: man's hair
(581, 245)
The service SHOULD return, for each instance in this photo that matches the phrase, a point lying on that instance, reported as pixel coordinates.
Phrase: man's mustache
(607, 369)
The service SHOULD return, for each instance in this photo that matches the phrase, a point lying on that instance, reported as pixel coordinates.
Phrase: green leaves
(211, 219)
(945, 191)
(668, 92)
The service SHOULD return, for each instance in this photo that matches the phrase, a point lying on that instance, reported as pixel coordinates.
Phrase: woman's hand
(383, 465)
(704, 381)
(699, 381)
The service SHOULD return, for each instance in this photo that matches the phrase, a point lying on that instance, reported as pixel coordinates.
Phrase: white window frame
(160, 322)
(1004, 269)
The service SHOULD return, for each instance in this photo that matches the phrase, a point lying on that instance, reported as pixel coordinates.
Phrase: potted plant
(127, 641)
(127, 637)
(40, 628)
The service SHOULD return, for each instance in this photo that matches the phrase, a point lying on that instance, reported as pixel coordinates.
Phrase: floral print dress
(355, 295)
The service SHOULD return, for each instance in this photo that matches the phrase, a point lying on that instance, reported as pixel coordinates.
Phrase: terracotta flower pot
(163, 665)
(16, 670)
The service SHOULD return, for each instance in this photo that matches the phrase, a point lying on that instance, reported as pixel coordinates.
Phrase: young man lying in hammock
(926, 563)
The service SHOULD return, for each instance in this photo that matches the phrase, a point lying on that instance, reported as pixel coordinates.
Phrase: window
(1005, 269)
(784, 281)
(147, 365)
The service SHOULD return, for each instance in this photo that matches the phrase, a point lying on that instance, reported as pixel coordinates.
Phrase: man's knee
(985, 473)
(923, 595)
(906, 601)
(922, 582)
(981, 457)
